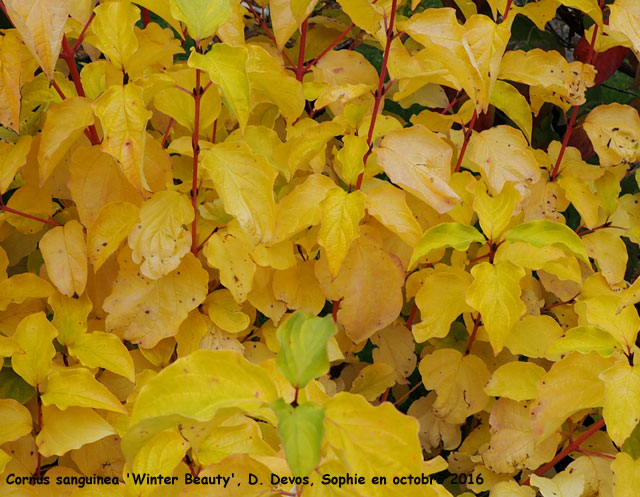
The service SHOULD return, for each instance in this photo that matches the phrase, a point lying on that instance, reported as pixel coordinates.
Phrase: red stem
(165, 137)
(78, 42)
(568, 449)
(58, 90)
(379, 92)
(146, 19)
(334, 310)
(413, 389)
(412, 316)
(330, 47)
(196, 152)
(300, 69)
(467, 137)
(39, 401)
(269, 33)
(472, 338)
(51, 222)
(506, 10)
(451, 104)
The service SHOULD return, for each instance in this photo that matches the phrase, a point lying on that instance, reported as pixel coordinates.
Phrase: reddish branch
(379, 92)
(465, 143)
(51, 221)
(197, 95)
(331, 46)
(39, 429)
(573, 446)
(412, 316)
(474, 332)
(300, 68)
(269, 32)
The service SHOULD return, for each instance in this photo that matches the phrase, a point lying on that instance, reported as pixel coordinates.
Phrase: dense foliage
(304, 239)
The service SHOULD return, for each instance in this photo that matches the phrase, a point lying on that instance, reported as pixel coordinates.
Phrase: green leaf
(456, 235)
(303, 347)
(585, 339)
(544, 233)
(301, 430)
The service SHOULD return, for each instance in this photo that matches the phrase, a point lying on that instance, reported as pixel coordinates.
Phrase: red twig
(165, 137)
(39, 401)
(379, 92)
(51, 222)
(465, 143)
(78, 42)
(451, 104)
(413, 389)
(300, 69)
(196, 152)
(568, 449)
(412, 316)
(334, 310)
(474, 332)
(146, 19)
(506, 10)
(330, 47)
(269, 32)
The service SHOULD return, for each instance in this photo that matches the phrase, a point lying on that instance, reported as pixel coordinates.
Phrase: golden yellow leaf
(202, 17)
(225, 312)
(610, 254)
(368, 285)
(145, 311)
(572, 384)
(32, 200)
(41, 26)
(564, 484)
(419, 161)
(513, 445)
(10, 74)
(113, 29)
(95, 180)
(515, 380)
(441, 299)
(12, 158)
(502, 154)
(20, 287)
(103, 350)
(63, 126)
(510, 101)
(614, 131)
(159, 241)
(64, 251)
(16, 420)
(123, 115)
(70, 316)
(111, 227)
(68, 429)
(458, 381)
(621, 400)
(244, 181)
(494, 212)
(395, 347)
(299, 288)
(434, 431)
(341, 213)
(78, 387)
(626, 473)
(34, 335)
(373, 380)
(495, 293)
(625, 18)
(229, 251)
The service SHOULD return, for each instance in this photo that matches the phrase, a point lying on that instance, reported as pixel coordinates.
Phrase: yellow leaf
(494, 212)
(300, 208)
(502, 154)
(341, 213)
(103, 350)
(202, 17)
(625, 18)
(582, 198)
(614, 131)
(225, 312)
(283, 21)
(227, 67)
(95, 180)
(64, 251)
(16, 420)
(571, 385)
(589, 7)
(12, 157)
(510, 101)
(299, 288)
(123, 115)
(513, 444)
(41, 26)
(395, 346)
(368, 285)
(113, 28)
(69, 429)
(495, 293)
(512, 488)
(434, 431)
(34, 335)
(145, 311)
(159, 241)
(78, 387)
(244, 181)
(441, 299)
(22, 286)
(418, 160)
(458, 381)
(63, 126)
(564, 484)
(351, 157)
(70, 316)
(515, 380)
(229, 251)
(110, 228)
(610, 254)
(30, 200)
(10, 74)
(388, 205)
(277, 256)
(184, 387)
(262, 297)
(621, 400)
(372, 441)
(626, 473)
(269, 81)
(373, 380)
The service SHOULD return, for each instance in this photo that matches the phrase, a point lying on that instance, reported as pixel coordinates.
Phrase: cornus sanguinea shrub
(308, 248)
